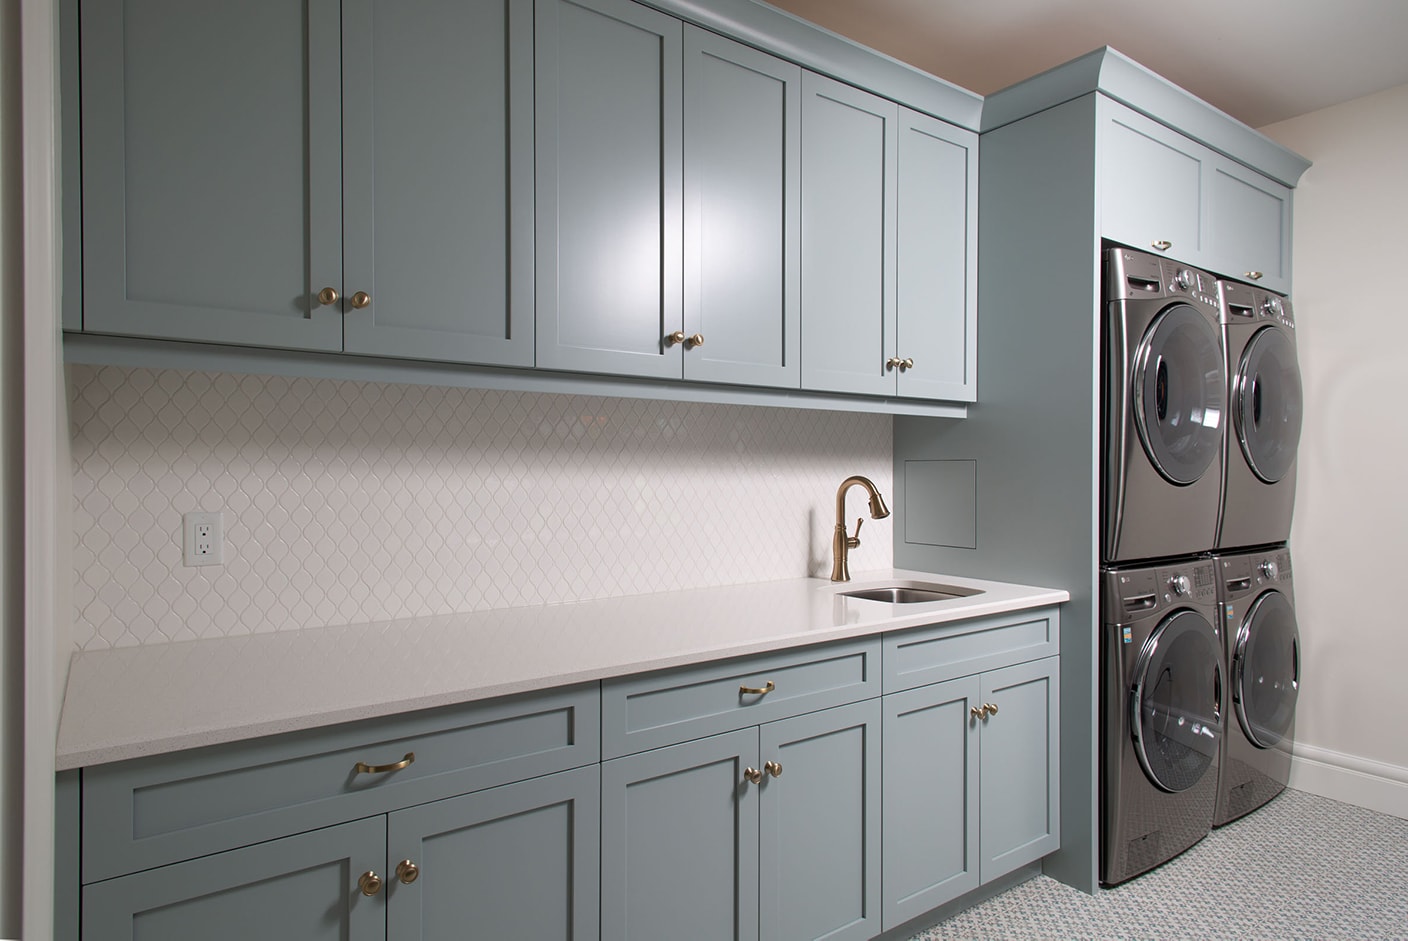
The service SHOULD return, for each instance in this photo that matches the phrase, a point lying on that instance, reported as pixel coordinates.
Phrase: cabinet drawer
(151, 811)
(943, 652)
(691, 702)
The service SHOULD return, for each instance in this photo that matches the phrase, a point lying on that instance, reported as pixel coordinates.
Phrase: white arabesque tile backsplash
(347, 502)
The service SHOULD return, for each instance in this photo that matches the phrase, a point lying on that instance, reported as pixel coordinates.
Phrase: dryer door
(1179, 384)
(1266, 670)
(1266, 400)
(1176, 703)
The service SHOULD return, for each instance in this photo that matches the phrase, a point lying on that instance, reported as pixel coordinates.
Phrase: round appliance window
(1179, 386)
(1267, 401)
(1266, 670)
(1176, 703)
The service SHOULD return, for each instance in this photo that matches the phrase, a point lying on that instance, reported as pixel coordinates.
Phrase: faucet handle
(854, 541)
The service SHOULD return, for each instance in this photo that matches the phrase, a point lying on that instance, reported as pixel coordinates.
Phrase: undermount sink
(912, 594)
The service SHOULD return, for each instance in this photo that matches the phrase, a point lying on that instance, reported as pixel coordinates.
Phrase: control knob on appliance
(1180, 585)
(1268, 569)
(1271, 307)
(1183, 280)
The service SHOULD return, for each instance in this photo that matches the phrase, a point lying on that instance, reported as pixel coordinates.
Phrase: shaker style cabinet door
(609, 262)
(1249, 226)
(848, 238)
(1152, 190)
(517, 861)
(299, 888)
(742, 164)
(930, 799)
(212, 204)
(437, 148)
(937, 261)
(679, 842)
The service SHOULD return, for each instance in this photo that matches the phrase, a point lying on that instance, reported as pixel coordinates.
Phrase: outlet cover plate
(203, 538)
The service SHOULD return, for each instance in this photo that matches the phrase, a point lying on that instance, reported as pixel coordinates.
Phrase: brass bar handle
(672, 338)
(991, 708)
(1255, 275)
(361, 299)
(773, 768)
(978, 712)
(407, 872)
(696, 340)
(370, 883)
(756, 690)
(753, 775)
(363, 768)
(1162, 245)
(328, 296)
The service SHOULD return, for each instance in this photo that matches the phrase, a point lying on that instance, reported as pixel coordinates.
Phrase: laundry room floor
(1300, 867)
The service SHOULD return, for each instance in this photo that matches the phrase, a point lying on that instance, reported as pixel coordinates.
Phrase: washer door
(1176, 702)
(1179, 386)
(1266, 400)
(1266, 670)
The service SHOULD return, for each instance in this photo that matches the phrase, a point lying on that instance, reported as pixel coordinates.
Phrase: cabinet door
(930, 799)
(300, 888)
(438, 184)
(679, 842)
(848, 238)
(608, 79)
(1249, 226)
(819, 847)
(936, 288)
(211, 178)
(518, 861)
(1151, 185)
(742, 163)
(1021, 812)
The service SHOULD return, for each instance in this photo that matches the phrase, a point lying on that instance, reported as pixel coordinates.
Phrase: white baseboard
(1349, 778)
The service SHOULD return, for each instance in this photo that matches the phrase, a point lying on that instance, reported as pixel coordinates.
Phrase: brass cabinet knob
(328, 296)
(407, 872)
(1162, 245)
(756, 690)
(774, 768)
(362, 767)
(892, 362)
(906, 363)
(753, 775)
(361, 299)
(369, 883)
(991, 708)
(696, 340)
(672, 338)
(978, 712)
(1255, 275)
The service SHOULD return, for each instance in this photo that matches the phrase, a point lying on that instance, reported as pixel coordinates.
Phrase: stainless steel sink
(912, 594)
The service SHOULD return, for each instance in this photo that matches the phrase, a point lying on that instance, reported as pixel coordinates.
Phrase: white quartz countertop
(133, 701)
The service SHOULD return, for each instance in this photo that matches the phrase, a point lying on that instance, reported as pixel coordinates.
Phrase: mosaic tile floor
(1302, 867)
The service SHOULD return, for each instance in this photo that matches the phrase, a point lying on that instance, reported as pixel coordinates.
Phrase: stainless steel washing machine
(1263, 675)
(1163, 398)
(1264, 401)
(1160, 713)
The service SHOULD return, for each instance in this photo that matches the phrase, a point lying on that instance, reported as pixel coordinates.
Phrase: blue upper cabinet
(212, 205)
(259, 172)
(609, 185)
(889, 230)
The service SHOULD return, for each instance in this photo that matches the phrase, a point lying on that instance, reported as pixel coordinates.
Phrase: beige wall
(1351, 251)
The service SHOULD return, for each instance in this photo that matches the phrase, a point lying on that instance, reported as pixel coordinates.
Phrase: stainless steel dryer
(1164, 389)
(1161, 714)
(1263, 674)
(1264, 399)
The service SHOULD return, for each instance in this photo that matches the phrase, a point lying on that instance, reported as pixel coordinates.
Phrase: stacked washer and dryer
(1197, 692)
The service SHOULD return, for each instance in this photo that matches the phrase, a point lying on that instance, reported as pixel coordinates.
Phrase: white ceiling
(1261, 61)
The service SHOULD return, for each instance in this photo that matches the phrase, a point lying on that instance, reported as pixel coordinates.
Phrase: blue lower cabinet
(512, 862)
(299, 888)
(769, 832)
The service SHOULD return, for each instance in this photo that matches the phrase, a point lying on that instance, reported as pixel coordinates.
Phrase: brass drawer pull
(407, 872)
(693, 341)
(672, 338)
(978, 712)
(773, 768)
(328, 296)
(361, 299)
(1162, 245)
(753, 775)
(991, 707)
(1255, 275)
(755, 690)
(364, 768)
(370, 883)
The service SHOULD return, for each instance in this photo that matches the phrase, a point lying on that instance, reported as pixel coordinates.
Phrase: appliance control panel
(1242, 303)
(1134, 594)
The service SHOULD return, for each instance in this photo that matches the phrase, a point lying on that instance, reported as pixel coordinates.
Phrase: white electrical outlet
(203, 538)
